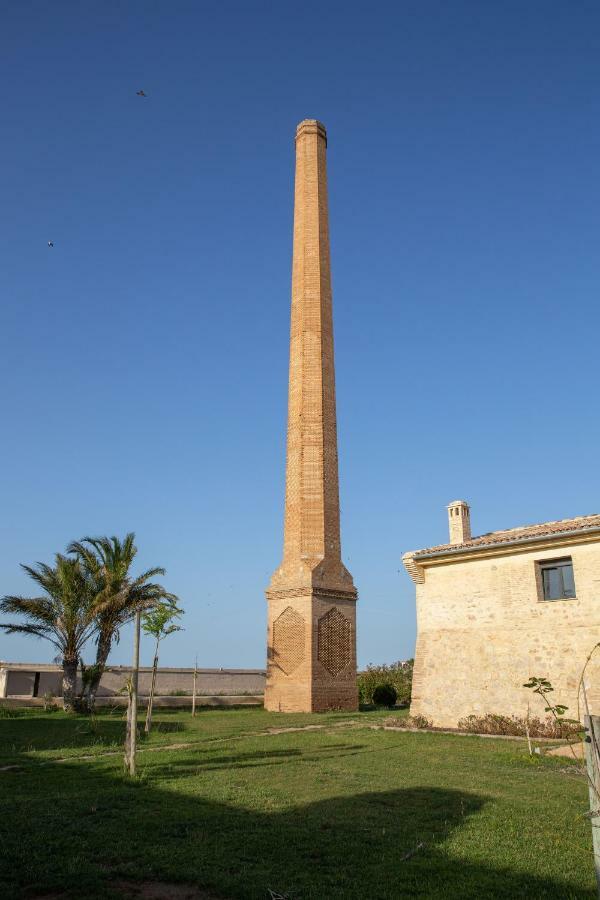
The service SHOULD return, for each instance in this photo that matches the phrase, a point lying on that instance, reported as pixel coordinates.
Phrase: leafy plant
(48, 700)
(398, 674)
(542, 687)
(385, 695)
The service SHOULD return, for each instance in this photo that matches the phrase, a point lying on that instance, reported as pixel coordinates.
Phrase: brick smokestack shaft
(312, 517)
(311, 643)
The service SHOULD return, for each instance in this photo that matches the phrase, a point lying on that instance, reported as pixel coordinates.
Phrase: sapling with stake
(543, 687)
(158, 622)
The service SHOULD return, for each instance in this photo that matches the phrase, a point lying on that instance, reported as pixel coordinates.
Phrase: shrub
(10, 712)
(48, 700)
(516, 726)
(385, 695)
(398, 674)
(419, 722)
(408, 722)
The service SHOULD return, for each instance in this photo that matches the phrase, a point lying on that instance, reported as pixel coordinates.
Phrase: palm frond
(38, 631)
(41, 609)
(24, 628)
(149, 573)
(87, 555)
(45, 576)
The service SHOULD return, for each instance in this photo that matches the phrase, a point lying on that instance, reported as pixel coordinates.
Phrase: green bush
(398, 674)
(385, 695)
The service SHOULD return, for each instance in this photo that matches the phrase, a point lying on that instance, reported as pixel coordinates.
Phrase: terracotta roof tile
(523, 532)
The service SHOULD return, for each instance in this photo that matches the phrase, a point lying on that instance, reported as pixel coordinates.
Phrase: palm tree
(119, 595)
(64, 615)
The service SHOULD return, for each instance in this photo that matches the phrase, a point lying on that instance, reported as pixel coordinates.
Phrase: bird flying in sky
(51, 243)
(141, 94)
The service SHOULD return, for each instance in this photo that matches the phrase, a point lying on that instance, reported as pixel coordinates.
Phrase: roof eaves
(532, 539)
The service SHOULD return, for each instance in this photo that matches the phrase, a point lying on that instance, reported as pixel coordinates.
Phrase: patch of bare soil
(344, 724)
(456, 733)
(293, 728)
(160, 890)
(566, 750)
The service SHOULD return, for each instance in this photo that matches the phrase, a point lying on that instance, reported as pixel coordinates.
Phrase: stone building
(496, 609)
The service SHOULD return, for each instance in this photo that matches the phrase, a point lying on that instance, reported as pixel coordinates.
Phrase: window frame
(558, 563)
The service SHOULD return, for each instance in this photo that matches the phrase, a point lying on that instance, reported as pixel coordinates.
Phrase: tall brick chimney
(311, 641)
(459, 520)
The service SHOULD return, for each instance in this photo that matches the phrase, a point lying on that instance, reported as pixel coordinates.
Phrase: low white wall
(31, 680)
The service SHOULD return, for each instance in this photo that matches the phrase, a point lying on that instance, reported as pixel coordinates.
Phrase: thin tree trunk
(127, 727)
(527, 732)
(194, 691)
(148, 725)
(69, 684)
(134, 693)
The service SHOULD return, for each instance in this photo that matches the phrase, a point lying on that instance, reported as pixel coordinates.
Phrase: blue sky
(144, 357)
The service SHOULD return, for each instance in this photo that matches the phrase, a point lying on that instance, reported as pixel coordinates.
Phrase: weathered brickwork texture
(483, 630)
(311, 582)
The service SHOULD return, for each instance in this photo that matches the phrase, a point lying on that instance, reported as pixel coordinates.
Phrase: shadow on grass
(56, 732)
(31, 733)
(75, 831)
(192, 762)
(168, 727)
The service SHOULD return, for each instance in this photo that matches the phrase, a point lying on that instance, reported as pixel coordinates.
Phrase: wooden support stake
(527, 732)
(134, 693)
(592, 760)
(194, 691)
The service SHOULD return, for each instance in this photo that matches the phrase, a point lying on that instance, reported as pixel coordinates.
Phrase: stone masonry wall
(483, 631)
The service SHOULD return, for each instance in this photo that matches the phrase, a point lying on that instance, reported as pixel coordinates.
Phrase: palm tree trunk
(104, 645)
(148, 725)
(69, 684)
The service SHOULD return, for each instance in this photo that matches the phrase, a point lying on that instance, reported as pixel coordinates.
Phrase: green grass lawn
(343, 811)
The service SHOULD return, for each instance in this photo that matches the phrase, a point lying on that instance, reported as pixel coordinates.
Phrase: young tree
(158, 623)
(119, 595)
(64, 615)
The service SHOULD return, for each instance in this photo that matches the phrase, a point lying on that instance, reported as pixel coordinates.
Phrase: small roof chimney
(459, 520)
